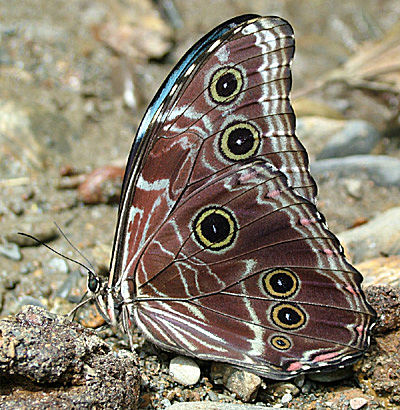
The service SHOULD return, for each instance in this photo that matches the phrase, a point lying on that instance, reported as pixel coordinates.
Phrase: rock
(64, 364)
(29, 300)
(333, 375)
(356, 137)
(184, 370)
(56, 264)
(11, 251)
(358, 402)
(381, 169)
(31, 133)
(278, 390)
(386, 302)
(353, 187)
(379, 236)
(339, 138)
(383, 367)
(308, 129)
(286, 398)
(38, 226)
(299, 380)
(244, 384)
(379, 370)
(18, 137)
(103, 185)
(381, 271)
(139, 33)
(165, 403)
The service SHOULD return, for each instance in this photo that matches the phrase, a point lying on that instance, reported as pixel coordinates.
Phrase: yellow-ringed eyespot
(288, 316)
(215, 228)
(280, 342)
(226, 83)
(239, 141)
(280, 283)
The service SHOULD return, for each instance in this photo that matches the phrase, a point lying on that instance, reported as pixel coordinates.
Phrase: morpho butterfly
(219, 251)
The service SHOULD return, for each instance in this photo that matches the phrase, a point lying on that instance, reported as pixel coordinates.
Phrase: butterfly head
(94, 283)
(103, 298)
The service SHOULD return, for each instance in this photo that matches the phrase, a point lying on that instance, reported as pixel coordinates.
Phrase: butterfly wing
(220, 252)
(273, 294)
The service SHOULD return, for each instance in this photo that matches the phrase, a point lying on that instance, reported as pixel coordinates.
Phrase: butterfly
(220, 252)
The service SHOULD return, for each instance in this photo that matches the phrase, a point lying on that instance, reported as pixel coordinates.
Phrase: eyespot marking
(239, 141)
(281, 283)
(280, 343)
(215, 228)
(226, 83)
(288, 316)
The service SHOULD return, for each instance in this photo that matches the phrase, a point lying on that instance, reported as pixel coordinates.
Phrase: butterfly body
(220, 252)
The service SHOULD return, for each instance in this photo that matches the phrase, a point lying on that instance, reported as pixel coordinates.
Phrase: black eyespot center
(226, 85)
(240, 141)
(215, 228)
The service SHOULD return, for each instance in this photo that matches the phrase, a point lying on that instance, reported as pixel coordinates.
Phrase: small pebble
(286, 398)
(280, 389)
(243, 384)
(103, 185)
(184, 370)
(57, 264)
(165, 403)
(11, 251)
(42, 230)
(353, 187)
(358, 402)
(71, 282)
(212, 396)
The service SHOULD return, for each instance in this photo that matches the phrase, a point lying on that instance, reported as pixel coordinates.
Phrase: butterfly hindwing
(236, 290)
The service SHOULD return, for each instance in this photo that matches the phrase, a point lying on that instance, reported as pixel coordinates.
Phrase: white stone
(358, 402)
(184, 370)
(286, 398)
(59, 265)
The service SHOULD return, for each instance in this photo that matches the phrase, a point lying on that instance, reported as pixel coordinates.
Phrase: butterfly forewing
(220, 252)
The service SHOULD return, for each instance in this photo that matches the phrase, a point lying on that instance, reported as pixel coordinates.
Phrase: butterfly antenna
(74, 247)
(58, 253)
(81, 303)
